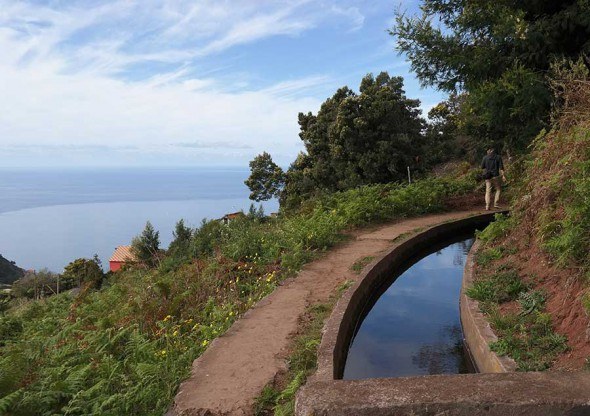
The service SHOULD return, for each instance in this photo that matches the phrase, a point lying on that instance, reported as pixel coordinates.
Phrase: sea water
(49, 217)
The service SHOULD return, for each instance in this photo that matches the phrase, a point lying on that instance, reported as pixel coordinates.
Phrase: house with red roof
(122, 255)
(230, 217)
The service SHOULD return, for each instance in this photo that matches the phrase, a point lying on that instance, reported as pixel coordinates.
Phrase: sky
(181, 83)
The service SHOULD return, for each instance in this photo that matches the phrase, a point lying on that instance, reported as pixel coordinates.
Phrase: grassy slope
(125, 348)
(534, 267)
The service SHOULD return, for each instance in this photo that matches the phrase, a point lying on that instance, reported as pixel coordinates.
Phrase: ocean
(49, 217)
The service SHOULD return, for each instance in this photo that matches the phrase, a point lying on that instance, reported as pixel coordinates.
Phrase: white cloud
(67, 82)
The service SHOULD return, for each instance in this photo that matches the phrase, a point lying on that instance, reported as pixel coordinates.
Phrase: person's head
(491, 150)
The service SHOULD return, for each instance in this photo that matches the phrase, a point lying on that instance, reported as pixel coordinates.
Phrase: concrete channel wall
(354, 304)
(504, 393)
(476, 329)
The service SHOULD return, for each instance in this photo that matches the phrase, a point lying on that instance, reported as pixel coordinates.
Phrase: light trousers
(497, 184)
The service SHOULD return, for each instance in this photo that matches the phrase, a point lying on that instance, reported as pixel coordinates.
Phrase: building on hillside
(121, 256)
(229, 217)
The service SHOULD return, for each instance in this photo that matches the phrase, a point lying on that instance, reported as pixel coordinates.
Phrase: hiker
(493, 169)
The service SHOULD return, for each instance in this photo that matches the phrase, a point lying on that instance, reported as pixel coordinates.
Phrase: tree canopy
(182, 239)
(266, 178)
(146, 246)
(354, 139)
(499, 52)
(82, 271)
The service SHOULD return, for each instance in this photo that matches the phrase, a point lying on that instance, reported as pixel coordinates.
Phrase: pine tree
(146, 246)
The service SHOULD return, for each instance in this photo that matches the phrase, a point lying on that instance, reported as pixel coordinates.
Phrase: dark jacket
(492, 164)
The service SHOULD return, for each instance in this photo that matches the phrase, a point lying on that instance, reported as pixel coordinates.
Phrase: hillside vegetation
(123, 349)
(534, 269)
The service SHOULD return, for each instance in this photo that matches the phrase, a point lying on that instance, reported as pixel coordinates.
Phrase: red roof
(122, 254)
(232, 216)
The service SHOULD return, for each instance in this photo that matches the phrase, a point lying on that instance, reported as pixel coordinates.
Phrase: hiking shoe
(497, 207)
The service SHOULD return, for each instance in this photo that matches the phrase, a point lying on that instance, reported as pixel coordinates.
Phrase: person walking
(493, 168)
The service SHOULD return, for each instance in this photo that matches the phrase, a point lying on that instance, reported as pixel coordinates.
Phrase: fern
(7, 402)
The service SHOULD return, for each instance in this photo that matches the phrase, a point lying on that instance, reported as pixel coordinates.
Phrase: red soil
(564, 288)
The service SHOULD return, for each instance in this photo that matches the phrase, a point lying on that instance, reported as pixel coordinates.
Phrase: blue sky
(181, 83)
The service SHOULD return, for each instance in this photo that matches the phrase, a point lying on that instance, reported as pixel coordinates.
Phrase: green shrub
(531, 301)
(528, 339)
(500, 227)
(482, 290)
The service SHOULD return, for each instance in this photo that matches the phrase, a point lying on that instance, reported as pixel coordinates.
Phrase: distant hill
(9, 272)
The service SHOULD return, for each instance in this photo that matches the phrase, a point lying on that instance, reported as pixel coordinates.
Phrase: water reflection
(414, 327)
(444, 356)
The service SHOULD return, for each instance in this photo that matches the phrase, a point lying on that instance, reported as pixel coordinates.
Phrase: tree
(356, 139)
(146, 246)
(443, 137)
(256, 214)
(82, 271)
(498, 52)
(182, 239)
(478, 41)
(266, 178)
(36, 285)
(207, 238)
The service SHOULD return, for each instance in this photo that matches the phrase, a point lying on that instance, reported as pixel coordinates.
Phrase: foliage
(206, 237)
(531, 301)
(256, 214)
(146, 246)
(82, 271)
(266, 178)
(356, 139)
(36, 285)
(473, 34)
(550, 218)
(507, 102)
(527, 338)
(497, 229)
(556, 190)
(508, 112)
(444, 136)
(498, 287)
(180, 245)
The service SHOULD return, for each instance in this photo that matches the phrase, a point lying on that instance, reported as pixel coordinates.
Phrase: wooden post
(409, 176)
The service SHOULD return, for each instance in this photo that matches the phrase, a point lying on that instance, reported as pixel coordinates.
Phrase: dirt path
(228, 377)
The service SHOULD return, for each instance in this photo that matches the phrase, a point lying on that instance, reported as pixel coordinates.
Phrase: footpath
(231, 373)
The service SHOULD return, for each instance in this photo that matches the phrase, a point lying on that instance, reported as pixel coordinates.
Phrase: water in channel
(414, 327)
